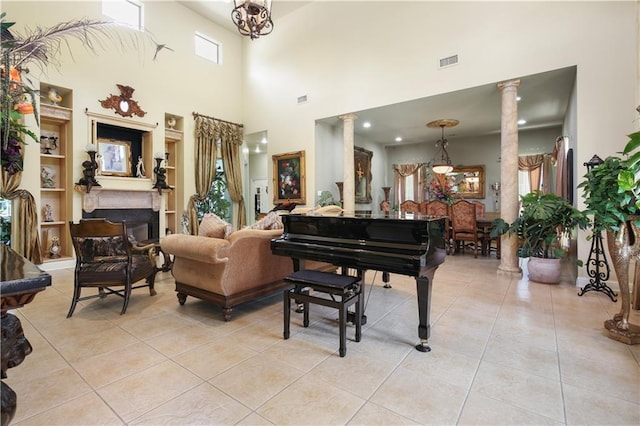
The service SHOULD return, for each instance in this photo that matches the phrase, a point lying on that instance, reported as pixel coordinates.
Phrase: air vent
(449, 61)
(302, 99)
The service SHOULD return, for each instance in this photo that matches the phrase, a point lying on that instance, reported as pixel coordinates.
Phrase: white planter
(544, 270)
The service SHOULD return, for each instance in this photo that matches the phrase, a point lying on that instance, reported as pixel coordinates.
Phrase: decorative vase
(623, 246)
(386, 190)
(545, 271)
(53, 96)
(46, 177)
(48, 213)
(340, 188)
(171, 122)
(55, 249)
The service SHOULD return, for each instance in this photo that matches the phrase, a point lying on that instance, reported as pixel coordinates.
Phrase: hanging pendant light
(252, 17)
(442, 162)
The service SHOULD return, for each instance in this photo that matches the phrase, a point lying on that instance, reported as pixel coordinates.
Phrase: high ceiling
(544, 98)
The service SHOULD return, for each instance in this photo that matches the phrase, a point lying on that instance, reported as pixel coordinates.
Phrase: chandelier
(442, 165)
(252, 17)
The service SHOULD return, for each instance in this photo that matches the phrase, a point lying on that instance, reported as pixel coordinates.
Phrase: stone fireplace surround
(138, 208)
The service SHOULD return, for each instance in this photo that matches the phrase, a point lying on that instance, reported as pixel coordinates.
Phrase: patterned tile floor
(504, 351)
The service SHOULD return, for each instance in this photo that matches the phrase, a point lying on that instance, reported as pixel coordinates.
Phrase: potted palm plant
(545, 221)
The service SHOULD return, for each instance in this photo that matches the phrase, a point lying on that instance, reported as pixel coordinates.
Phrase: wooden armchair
(105, 258)
(464, 227)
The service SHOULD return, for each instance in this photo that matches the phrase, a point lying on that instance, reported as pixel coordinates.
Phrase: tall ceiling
(544, 98)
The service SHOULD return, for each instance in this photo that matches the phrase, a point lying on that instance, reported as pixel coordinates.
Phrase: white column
(349, 189)
(509, 176)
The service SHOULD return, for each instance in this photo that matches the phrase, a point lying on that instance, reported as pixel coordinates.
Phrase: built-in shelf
(56, 128)
(173, 138)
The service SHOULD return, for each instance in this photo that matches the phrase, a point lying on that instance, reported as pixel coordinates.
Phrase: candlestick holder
(161, 175)
(88, 179)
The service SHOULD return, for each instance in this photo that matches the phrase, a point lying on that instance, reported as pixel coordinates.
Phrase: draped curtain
(231, 139)
(538, 166)
(401, 172)
(208, 132)
(24, 227)
(559, 159)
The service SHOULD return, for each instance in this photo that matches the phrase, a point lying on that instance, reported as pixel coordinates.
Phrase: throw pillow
(214, 227)
(270, 221)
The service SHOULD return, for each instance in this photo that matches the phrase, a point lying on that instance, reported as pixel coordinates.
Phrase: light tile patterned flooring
(504, 351)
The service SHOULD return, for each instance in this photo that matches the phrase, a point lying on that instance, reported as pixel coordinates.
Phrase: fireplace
(138, 208)
(142, 224)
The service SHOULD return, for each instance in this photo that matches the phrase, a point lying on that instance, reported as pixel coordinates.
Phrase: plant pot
(545, 271)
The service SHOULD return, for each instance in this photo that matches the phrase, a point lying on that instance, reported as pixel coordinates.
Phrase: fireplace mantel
(102, 198)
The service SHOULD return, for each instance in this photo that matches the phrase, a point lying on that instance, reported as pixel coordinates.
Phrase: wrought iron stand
(597, 265)
(598, 269)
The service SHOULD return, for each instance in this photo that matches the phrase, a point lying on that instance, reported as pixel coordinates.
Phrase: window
(127, 12)
(217, 200)
(524, 185)
(207, 48)
(409, 189)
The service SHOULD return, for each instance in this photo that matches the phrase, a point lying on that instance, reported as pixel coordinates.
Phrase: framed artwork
(469, 181)
(362, 168)
(289, 178)
(114, 157)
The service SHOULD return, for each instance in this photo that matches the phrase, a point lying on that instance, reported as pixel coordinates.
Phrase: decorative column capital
(512, 84)
(350, 116)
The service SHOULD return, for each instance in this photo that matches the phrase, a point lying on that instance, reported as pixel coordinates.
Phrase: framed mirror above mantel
(132, 140)
(469, 181)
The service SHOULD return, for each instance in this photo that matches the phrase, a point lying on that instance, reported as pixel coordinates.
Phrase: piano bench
(342, 290)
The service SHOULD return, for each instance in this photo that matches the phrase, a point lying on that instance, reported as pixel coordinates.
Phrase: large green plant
(543, 221)
(606, 199)
(611, 190)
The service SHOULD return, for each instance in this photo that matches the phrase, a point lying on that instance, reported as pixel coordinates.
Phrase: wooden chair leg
(74, 301)
(127, 295)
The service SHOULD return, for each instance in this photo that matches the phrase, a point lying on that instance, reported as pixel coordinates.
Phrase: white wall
(177, 82)
(347, 58)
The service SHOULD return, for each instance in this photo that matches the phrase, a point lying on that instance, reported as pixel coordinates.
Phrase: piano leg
(424, 285)
(385, 280)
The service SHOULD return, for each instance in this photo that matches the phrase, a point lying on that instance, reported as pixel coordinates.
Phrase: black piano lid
(379, 228)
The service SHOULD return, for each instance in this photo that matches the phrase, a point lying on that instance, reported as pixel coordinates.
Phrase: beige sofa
(228, 271)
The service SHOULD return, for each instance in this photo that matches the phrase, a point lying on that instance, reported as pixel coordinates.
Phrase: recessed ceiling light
(257, 151)
(398, 139)
(264, 140)
(366, 124)
(521, 122)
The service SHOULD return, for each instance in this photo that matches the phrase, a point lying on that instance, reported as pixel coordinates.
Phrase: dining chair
(479, 208)
(440, 208)
(106, 258)
(464, 227)
(409, 206)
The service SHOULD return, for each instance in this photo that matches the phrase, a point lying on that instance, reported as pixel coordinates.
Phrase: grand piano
(391, 244)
